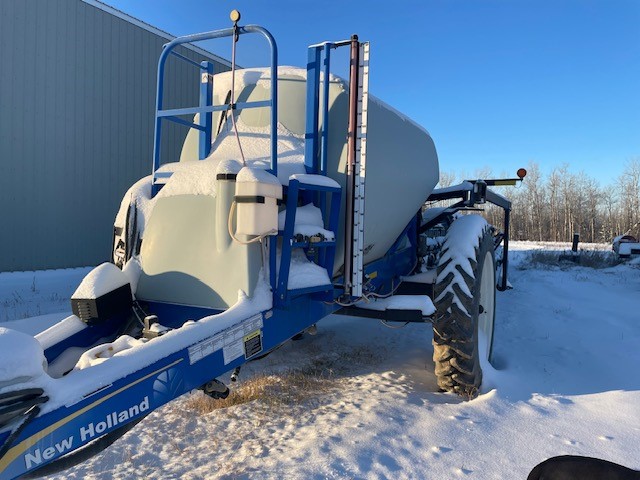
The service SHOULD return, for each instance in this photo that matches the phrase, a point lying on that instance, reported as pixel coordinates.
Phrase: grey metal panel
(77, 97)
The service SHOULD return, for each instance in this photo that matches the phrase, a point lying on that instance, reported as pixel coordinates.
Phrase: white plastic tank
(257, 195)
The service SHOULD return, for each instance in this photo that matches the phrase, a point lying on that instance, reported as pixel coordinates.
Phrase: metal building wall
(77, 98)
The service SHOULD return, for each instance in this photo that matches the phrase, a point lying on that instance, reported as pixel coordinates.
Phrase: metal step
(325, 249)
(415, 288)
(389, 315)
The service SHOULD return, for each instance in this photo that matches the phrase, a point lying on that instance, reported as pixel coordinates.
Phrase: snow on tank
(401, 165)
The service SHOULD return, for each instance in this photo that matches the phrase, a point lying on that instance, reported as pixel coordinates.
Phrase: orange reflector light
(234, 16)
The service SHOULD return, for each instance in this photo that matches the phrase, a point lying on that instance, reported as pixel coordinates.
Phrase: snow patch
(400, 302)
(319, 180)
(189, 178)
(256, 147)
(308, 214)
(132, 271)
(22, 357)
(262, 76)
(628, 248)
(308, 222)
(303, 273)
(139, 195)
(256, 175)
(431, 213)
(455, 188)
(103, 279)
(99, 354)
(61, 330)
(229, 166)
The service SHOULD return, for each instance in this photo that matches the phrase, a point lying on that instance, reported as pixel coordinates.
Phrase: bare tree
(446, 179)
(629, 184)
(554, 207)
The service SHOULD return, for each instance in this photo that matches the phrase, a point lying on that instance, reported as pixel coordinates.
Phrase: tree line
(555, 206)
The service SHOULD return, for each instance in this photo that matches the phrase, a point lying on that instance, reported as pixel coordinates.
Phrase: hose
(367, 297)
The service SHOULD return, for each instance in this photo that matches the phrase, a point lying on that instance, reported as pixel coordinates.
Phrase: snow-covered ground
(366, 405)
(31, 294)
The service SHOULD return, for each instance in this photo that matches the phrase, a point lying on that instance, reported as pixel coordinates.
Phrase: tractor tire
(465, 306)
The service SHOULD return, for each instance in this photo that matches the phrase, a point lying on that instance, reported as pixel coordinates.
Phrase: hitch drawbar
(215, 389)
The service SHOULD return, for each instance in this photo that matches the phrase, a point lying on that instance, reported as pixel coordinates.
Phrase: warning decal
(231, 341)
(252, 344)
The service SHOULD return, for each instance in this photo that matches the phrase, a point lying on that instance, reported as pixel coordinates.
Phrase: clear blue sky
(498, 83)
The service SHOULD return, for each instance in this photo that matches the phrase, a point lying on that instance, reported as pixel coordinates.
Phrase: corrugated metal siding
(77, 98)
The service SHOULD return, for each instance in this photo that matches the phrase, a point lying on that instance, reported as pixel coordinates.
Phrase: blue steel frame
(206, 108)
(313, 103)
(318, 58)
(206, 120)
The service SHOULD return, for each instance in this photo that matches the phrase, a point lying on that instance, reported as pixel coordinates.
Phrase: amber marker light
(234, 16)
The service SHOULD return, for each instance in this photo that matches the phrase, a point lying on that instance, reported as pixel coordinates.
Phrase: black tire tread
(455, 338)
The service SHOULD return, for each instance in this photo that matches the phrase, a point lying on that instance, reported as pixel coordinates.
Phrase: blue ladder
(324, 250)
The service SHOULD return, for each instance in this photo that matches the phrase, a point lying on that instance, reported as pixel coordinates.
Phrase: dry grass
(323, 375)
(585, 258)
(280, 390)
(599, 259)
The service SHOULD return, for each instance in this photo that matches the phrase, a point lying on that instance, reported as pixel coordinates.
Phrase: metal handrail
(318, 59)
(172, 114)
